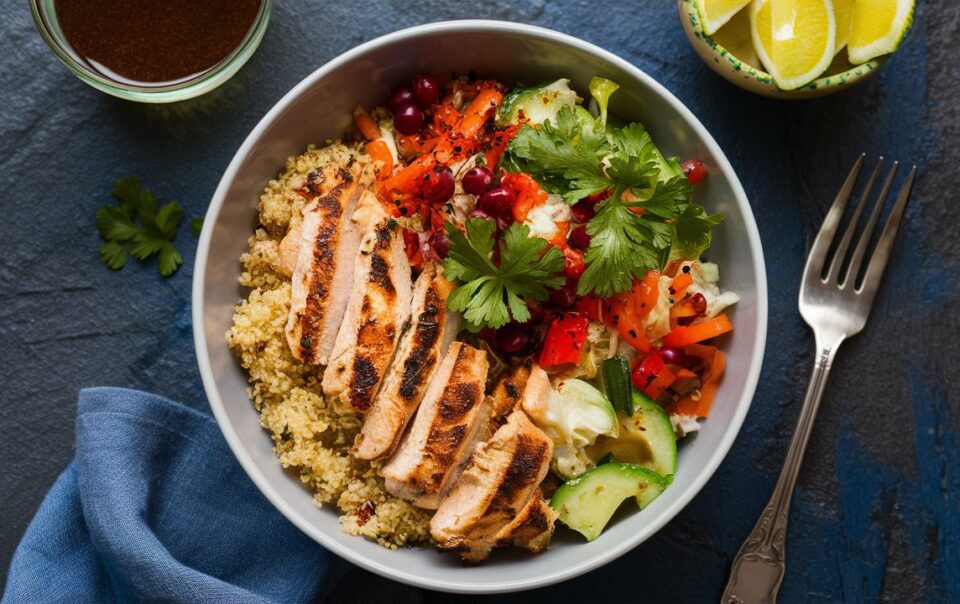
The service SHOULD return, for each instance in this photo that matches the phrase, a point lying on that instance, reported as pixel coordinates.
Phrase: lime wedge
(877, 28)
(715, 13)
(795, 39)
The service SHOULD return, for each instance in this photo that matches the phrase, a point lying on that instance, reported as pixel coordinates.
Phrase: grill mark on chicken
(461, 401)
(311, 318)
(507, 394)
(447, 427)
(522, 472)
(378, 306)
(423, 341)
(427, 333)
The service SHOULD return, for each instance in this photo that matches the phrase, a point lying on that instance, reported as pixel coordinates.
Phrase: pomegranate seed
(426, 91)
(408, 119)
(497, 200)
(579, 238)
(582, 211)
(477, 180)
(694, 170)
(512, 338)
(399, 98)
(438, 184)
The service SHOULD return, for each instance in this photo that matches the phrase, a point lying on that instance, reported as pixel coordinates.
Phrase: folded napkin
(155, 507)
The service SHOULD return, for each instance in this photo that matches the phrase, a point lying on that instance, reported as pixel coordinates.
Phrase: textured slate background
(875, 515)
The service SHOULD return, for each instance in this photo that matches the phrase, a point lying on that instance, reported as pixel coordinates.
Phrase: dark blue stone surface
(876, 515)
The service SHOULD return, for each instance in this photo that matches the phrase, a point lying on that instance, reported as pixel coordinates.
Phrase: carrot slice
(679, 285)
(365, 124)
(682, 335)
(698, 404)
(379, 151)
(478, 112)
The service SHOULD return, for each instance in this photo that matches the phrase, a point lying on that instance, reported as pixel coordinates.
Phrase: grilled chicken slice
(450, 421)
(324, 273)
(378, 309)
(531, 529)
(424, 342)
(368, 213)
(504, 474)
(507, 394)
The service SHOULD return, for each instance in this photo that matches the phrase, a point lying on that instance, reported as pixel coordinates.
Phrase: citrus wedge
(843, 13)
(877, 28)
(795, 39)
(715, 13)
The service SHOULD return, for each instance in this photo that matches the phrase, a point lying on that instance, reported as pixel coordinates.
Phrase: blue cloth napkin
(155, 507)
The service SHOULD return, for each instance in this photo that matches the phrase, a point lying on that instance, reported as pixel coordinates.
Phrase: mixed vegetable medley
(574, 243)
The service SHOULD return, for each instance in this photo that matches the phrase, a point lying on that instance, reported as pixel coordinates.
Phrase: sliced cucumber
(646, 438)
(538, 103)
(587, 502)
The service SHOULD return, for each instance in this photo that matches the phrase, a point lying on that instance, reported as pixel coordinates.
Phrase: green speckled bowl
(730, 53)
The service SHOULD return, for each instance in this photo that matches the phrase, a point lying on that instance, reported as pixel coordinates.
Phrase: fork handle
(759, 566)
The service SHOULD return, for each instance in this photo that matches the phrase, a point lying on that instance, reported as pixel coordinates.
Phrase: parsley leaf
(196, 225)
(691, 232)
(490, 295)
(564, 157)
(157, 228)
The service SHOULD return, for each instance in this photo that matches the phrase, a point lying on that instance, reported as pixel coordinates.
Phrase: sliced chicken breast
(424, 342)
(323, 278)
(368, 213)
(378, 309)
(507, 394)
(531, 529)
(504, 474)
(452, 417)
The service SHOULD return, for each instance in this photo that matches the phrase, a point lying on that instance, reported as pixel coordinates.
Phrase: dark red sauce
(155, 42)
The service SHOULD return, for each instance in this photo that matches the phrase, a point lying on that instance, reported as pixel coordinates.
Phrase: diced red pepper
(564, 341)
(652, 376)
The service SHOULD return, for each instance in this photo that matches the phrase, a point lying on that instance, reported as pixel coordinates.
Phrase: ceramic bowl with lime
(795, 49)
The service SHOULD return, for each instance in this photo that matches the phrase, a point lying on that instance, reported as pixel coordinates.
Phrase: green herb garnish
(648, 217)
(139, 226)
(492, 293)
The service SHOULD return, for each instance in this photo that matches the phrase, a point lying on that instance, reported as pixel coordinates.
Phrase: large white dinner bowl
(319, 108)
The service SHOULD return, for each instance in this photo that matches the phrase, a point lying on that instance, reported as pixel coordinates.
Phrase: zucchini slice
(587, 502)
(646, 439)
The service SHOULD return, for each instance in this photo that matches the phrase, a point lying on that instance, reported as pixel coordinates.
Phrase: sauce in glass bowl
(155, 42)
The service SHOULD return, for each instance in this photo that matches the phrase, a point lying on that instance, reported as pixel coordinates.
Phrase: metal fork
(835, 303)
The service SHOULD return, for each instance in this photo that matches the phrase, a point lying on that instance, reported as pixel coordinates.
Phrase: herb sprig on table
(141, 227)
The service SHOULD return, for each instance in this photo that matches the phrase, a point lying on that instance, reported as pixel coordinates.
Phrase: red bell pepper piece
(565, 339)
(652, 376)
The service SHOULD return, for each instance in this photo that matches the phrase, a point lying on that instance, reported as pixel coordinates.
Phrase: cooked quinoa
(308, 433)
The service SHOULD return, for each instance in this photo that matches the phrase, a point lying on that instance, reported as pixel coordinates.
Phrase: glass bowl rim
(188, 88)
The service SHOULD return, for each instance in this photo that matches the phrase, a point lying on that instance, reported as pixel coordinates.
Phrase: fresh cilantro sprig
(491, 293)
(648, 216)
(139, 226)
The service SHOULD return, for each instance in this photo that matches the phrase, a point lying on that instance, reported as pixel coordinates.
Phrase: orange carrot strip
(379, 151)
(681, 335)
(368, 128)
(478, 112)
(680, 284)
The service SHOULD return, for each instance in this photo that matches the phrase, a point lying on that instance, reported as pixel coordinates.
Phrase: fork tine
(878, 261)
(821, 245)
(854, 268)
(841, 252)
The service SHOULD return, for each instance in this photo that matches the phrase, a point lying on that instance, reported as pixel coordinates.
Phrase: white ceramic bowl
(320, 108)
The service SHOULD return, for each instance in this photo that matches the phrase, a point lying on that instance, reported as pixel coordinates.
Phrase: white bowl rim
(238, 447)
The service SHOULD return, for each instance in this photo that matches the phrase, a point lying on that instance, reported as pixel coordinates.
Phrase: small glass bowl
(45, 17)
